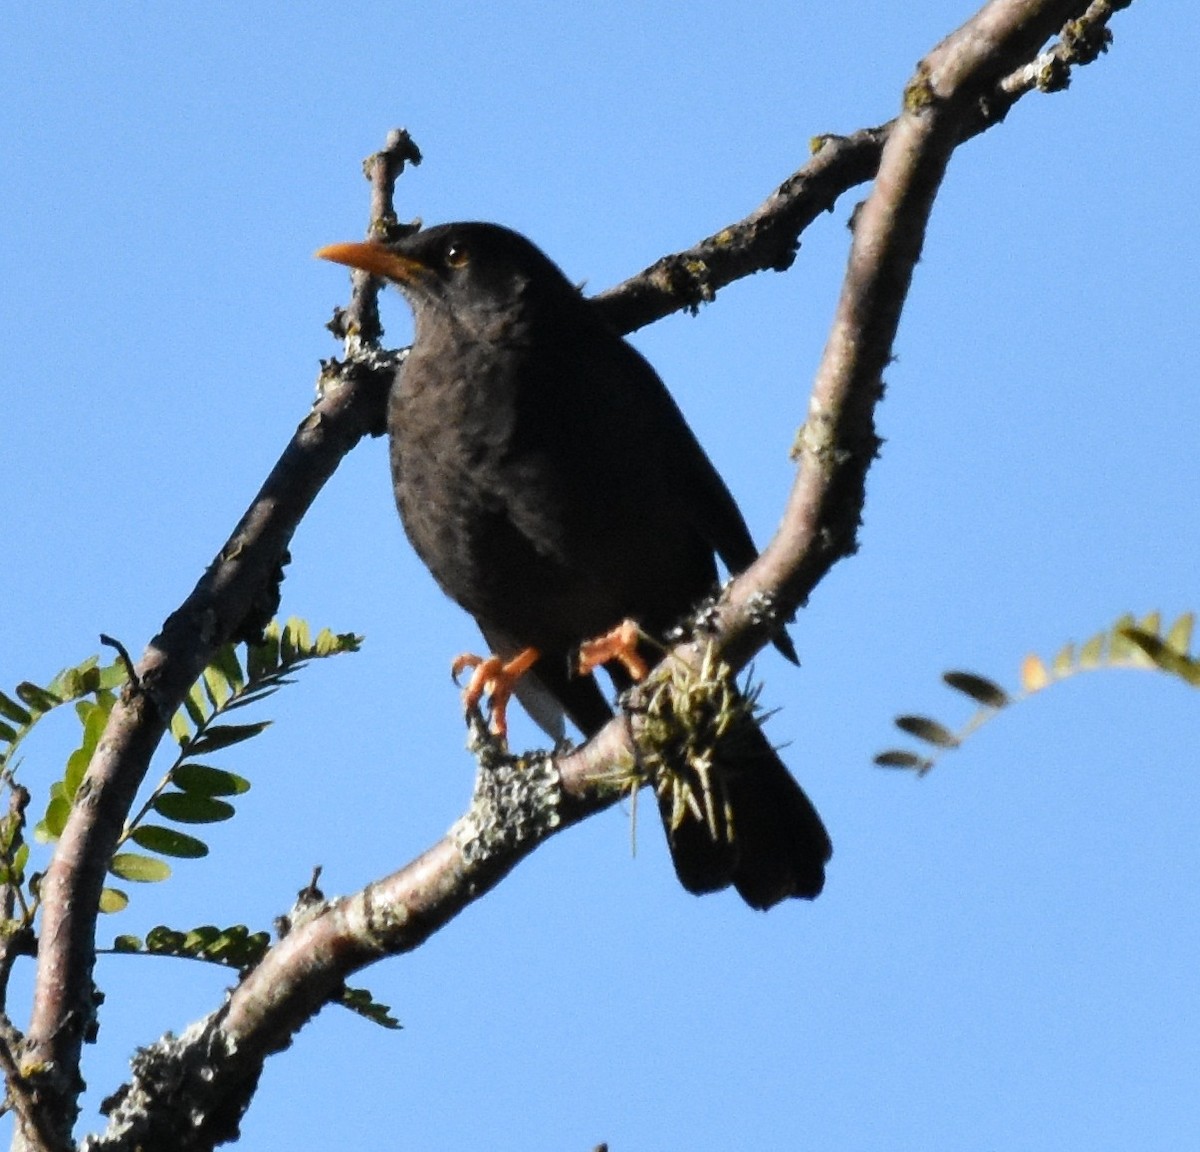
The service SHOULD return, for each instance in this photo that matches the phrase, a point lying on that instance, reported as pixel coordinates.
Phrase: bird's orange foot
(620, 644)
(494, 678)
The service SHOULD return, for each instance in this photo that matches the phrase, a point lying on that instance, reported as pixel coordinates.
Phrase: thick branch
(70, 890)
(837, 444)
(190, 1093)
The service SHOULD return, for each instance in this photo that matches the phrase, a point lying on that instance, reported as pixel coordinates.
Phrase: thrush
(553, 488)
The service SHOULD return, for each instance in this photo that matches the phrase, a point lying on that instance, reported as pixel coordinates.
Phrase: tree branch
(768, 238)
(951, 98)
(959, 89)
(33, 1128)
(228, 602)
(63, 1007)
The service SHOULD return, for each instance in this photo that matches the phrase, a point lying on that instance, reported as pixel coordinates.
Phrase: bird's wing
(715, 515)
(665, 432)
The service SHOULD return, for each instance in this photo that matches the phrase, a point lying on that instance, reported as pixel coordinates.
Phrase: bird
(550, 483)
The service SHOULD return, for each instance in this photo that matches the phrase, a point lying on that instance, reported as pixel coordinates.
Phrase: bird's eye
(457, 256)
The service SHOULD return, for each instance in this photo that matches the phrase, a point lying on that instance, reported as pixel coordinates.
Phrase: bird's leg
(620, 644)
(495, 678)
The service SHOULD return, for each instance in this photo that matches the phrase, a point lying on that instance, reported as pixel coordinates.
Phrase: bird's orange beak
(376, 258)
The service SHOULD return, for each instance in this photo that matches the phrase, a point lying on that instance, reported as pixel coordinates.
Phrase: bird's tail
(739, 817)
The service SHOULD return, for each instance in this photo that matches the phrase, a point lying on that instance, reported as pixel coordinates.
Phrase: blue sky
(1005, 953)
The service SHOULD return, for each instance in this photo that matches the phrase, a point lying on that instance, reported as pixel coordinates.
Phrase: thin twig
(126, 660)
(358, 323)
(768, 238)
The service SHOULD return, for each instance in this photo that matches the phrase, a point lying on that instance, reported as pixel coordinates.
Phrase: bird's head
(477, 273)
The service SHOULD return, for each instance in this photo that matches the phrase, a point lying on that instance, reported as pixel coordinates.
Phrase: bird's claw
(495, 678)
(620, 644)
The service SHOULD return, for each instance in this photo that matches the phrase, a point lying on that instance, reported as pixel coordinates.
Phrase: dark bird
(547, 479)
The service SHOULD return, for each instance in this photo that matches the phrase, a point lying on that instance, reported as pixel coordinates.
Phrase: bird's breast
(479, 511)
(541, 507)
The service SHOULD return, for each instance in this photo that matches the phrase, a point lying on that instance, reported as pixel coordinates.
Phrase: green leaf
(138, 868)
(38, 699)
(1138, 654)
(208, 781)
(1064, 661)
(180, 728)
(254, 948)
(226, 660)
(225, 735)
(217, 685)
(198, 939)
(263, 659)
(7, 734)
(80, 680)
(1157, 654)
(192, 808)
(1179, 638)
(160, 938)
(94, 716)
(923, 728)
(1092, 652)
(233, 947)
(237, 947)
(235, 934)
(196, 705)
(20, 859)
(11, 710)
(896, 758)
(97, 719)
(332, 644)
(1119, 647)
(168, 842)
(113, 900)
(51, 826)
(13, 872)
(75, 682)
(296, 640)
(77, 764)
(113, 676)
(222, 947)
(361, 1001)
(979, 688)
